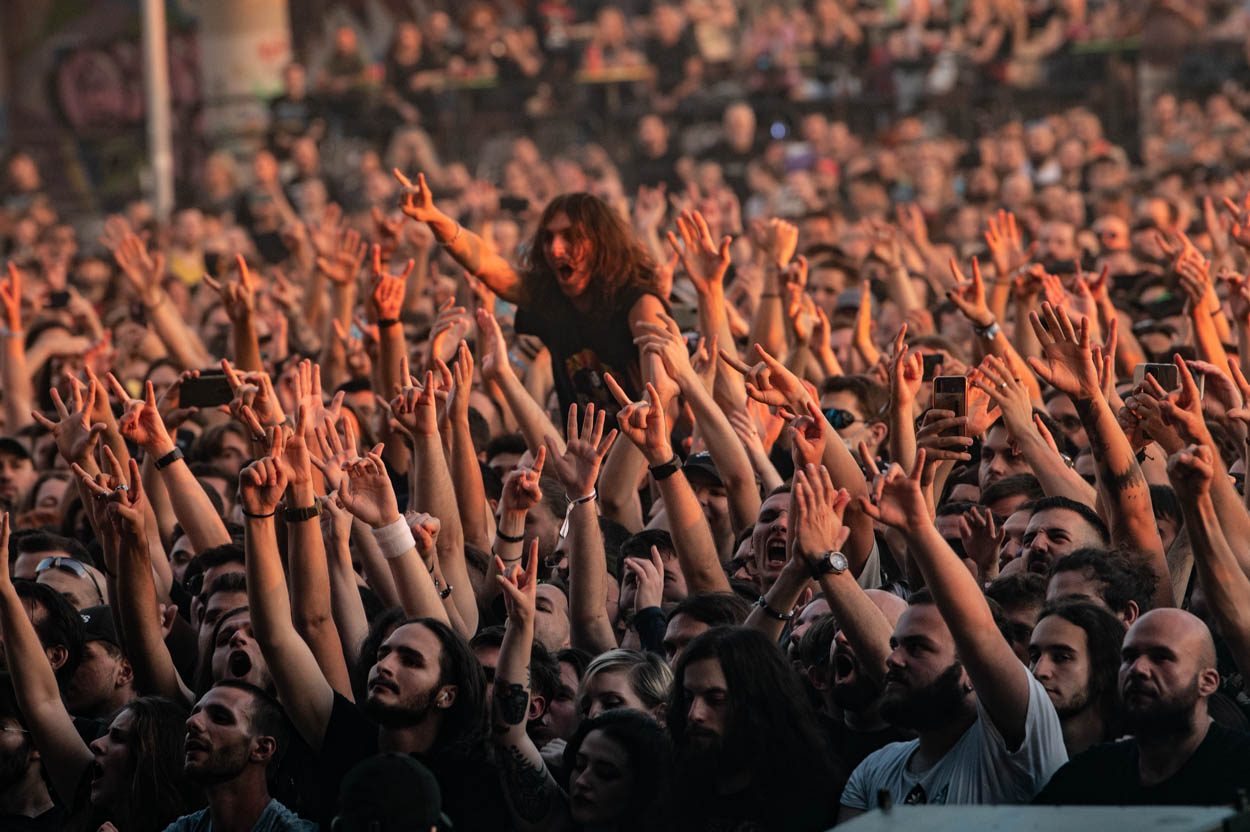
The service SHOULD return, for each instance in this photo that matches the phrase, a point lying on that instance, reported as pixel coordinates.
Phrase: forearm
(472, 253)
(692, 538)
(902, 437)
(729, 389)
(245, 345)
(1125, 492)
(727, 453)
(311, 598)
(346, 606)
(588, 576)
(1026, 342)
(192, 507)
(1002, 348)
(377, 573)
(618, 485)
(158, 498)
(1056, 478)
(466, 475)
(864, 624)
(768, 324)
(185, 347)
(531, 419)
(1207, 339)
(432, 488)
(781, 598)
(764, 468)
(19, 395)
(391, 352)
(139, 617)
(898, 286)
(845, 472)
(1224, 582)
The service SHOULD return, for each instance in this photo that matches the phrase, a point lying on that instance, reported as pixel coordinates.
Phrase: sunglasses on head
(70, 565)
(840, 418)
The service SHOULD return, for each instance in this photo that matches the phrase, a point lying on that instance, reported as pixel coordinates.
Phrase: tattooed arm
(534, 798)
(1068, 365)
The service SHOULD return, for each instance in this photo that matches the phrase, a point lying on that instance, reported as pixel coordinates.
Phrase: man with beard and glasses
(1074, 652)
(236, 734)
(749, 750)
(25, 804)
(425, 694)
(1176, 756)
(987, 732)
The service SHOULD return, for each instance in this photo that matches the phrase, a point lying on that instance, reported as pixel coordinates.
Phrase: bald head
(890, 604)
(1183, 631)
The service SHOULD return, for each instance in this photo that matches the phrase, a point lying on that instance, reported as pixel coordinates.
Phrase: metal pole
(156, 90)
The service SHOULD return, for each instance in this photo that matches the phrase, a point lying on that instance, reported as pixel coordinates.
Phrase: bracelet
(394, 539)
(247, 513)
(988, 333)
(455, 236)
(299, 515)
(772, 613)
(169, 459)
(507, 538)
(770, 294)
(665, 470)
(387, 323)
(445, 593)
(594, 492)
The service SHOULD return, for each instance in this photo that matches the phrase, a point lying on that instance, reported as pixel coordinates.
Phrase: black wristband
(445, 592)
(247, 513)
(666, 470)
(169, 459)
(383, 323)
(299, 515)
(772, 613)
(507, 538)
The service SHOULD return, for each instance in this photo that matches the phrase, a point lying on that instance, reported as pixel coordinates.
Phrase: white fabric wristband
(394, 539)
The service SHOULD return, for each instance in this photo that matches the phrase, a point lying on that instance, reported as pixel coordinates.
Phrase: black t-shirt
(1106, 775)
(472, 795)
(669, 60)
(584, 347)
(52, 820)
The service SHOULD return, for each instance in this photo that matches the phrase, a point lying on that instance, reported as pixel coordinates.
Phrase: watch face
(838, 561)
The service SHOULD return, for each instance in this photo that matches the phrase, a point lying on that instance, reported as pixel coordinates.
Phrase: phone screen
(931, 362)
(1166, 374)
(209, 390)
(951, 393)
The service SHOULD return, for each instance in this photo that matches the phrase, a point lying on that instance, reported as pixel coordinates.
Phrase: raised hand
(906, 374)
(296, 459)
(75, 433)
(416, 200)
(777, 238)
(343, 264)
(578, 467)
(896, 497)
(521, 490)
(366, 490)
(769, 381)
(169, 404)
(332, 454)
(262, 484)
(969, 295)
(141, 424)
(494, 347)
(425, 528)
(238, 297)
(667, 342)
(643, 422)
(520, 587)
(451, 326)
(818, 509)
(1183, 410)
(143, 272)
(934, 436)
(704, 262)
(982, 540)
(415, 409)
(1005, 244)
(462, 384)
(649, 573)
(1067, 362)
(1191, 470)
(388, 290)
(809, 433)
(995, 379)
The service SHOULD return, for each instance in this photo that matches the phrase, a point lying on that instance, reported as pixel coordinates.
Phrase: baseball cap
(390, 793)
(98, 625)
(13, 445)
(701, 465)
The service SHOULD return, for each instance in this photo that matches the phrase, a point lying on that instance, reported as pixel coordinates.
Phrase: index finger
(403, 180)
(617, 392)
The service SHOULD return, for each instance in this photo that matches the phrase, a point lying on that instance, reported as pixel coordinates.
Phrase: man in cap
(390, 793)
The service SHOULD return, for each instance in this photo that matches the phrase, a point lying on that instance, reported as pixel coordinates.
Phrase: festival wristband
(394, 539)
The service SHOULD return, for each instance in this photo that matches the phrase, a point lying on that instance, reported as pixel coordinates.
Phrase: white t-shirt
(977, 769)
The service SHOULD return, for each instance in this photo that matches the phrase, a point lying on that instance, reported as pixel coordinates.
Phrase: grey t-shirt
(275, 818)
(978, 769)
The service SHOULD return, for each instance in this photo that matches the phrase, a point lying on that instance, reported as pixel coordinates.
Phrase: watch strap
(762, 603)
(665, 470)
(298, 515)
(169, 459)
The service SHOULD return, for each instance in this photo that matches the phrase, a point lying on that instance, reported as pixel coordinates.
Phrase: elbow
(312, 625)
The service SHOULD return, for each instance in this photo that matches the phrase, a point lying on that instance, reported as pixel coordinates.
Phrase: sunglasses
(70, 565)
(841, 418)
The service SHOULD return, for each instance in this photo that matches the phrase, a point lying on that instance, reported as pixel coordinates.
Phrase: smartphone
(58, 300)
(1166, 374)
(951, 393)
(931, 362)
(514, 204)
(211, 389)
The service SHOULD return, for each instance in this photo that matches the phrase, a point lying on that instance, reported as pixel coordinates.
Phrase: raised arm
(531, 418)
(727, 452)
(64, 754)
(346, 605)
(432, 488)
(1001, 681)
(301, 686)
(239, 299)
(19, 393)
(467, 248)
(534, 798)
(144, 273)
(386, 297)
(311, 599)
(1068, 365)
(643, 423)
(578, 469)
(466, 471)
(1225, 585)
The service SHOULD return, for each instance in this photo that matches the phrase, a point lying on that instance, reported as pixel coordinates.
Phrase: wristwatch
(832, 562)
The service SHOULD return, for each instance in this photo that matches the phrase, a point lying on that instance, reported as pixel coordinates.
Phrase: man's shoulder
(188, 823)
(278, 818)
(887, 756)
